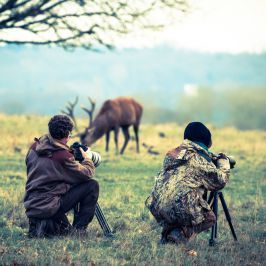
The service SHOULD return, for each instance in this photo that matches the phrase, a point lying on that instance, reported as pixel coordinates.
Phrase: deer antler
(70, 111)
(91, 110)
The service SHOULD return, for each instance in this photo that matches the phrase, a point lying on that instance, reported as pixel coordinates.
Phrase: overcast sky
(233, 26)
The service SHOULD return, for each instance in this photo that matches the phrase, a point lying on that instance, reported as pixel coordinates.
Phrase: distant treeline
(242, 108)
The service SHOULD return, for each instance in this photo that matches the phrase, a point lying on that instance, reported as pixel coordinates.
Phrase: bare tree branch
(91, 24)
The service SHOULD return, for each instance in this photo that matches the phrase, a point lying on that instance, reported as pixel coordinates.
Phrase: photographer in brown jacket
(57, 183)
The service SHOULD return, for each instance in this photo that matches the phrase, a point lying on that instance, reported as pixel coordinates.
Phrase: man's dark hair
(60, 126)
(196, 131)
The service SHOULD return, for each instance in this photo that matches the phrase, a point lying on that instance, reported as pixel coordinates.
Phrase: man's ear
(69, 135)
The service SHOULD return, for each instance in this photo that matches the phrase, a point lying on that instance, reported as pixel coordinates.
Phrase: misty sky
(233, 26)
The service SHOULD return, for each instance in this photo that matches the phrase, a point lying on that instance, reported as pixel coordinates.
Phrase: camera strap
(205, 156)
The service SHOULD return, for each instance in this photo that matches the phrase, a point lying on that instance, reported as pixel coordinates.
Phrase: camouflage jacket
(188, 171)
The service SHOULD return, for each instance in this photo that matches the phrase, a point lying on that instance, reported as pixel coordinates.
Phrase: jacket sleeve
(78, 172)
(211, 177)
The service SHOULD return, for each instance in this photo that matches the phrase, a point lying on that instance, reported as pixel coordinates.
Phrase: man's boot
(177, 236)
(32, 227)
(42, 228)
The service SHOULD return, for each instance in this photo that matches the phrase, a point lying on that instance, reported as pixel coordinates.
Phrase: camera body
(96, 157)
(232, 161)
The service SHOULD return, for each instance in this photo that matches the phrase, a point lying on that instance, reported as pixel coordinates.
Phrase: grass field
(125, 183)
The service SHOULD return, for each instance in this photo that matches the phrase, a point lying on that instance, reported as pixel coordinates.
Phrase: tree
(85, 23)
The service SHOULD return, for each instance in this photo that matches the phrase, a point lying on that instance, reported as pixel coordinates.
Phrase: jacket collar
(46, 145)
(190, 145)
(57, 143)
(202, 145)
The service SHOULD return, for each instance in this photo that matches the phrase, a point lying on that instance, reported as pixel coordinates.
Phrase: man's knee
(95, 185)
(210, 218)
(92, 186)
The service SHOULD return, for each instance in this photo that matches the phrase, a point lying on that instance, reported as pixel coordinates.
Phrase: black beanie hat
(196, 131)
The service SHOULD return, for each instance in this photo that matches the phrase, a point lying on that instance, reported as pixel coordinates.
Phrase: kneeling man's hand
(86, 154)
(223, 161)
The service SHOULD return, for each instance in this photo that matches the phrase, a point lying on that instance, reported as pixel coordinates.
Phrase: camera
(232, 161)
(96, 157)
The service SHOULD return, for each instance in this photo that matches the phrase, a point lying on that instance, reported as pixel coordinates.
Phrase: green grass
(125, 182)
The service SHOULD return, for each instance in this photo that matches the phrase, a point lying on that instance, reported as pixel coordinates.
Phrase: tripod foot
(109, 234)
(212, 242)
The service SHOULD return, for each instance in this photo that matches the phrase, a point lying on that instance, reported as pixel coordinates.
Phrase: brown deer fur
(120, 112)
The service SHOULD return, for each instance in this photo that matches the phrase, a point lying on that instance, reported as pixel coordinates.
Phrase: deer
(121, 112)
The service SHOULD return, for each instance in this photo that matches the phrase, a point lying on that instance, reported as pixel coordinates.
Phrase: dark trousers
(190, 230)
(208, 222)
(82, 198)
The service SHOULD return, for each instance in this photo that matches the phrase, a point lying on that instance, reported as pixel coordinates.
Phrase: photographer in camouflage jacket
(177, 199)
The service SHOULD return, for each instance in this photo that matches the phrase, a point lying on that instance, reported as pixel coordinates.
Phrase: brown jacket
(51, 171)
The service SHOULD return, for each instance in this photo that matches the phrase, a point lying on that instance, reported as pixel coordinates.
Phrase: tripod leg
(227, 215)
(215, 211)
(216, 223)
(210, 197)
(108, 229)
(102, 221)
(212, 240)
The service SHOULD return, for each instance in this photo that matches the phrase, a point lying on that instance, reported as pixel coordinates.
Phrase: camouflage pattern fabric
(177, 196)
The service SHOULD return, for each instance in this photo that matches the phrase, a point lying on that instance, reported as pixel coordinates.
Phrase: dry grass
(125, 183)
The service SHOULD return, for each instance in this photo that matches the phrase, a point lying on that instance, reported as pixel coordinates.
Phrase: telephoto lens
(96, 158)
(232, 161)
